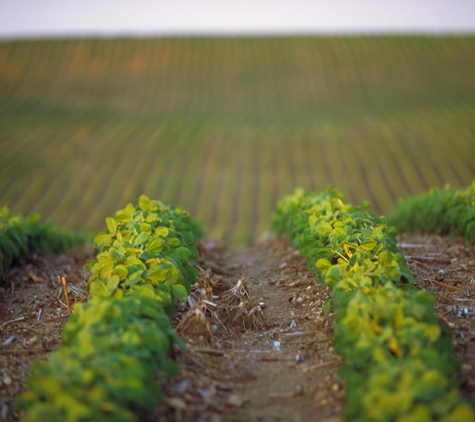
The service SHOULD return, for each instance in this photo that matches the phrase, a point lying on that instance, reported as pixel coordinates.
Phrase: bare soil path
(268, 355)
(259, 345)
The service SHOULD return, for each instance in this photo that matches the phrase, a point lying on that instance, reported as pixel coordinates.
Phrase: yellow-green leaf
(323, 264)
(161, 231)
(106, 272)
(145, 228)
(368, 245)
(112, 283)
(121, 271)
(111, 224)
(101, 240)
(144, 203)
(156, 244)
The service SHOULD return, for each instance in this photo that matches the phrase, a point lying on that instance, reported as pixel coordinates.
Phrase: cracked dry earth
(259, 345)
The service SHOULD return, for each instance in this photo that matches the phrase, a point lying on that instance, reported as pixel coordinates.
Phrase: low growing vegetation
(400, 362)
(116, 345)
(22, 236)
(441, 211)
(167, 111)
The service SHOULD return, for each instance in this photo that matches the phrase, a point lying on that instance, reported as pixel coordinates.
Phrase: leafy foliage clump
(146, 249)
(442, 211)
(400, 362)
(115, 346)
(22, 236)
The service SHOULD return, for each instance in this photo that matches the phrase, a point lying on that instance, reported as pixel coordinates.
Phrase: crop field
(226, 126)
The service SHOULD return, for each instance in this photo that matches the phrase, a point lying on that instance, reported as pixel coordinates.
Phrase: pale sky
(31, 18)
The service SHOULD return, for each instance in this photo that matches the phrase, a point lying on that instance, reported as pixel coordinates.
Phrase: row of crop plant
(22, 236)
(400, 362)
(166, 108)
(442, 211)
(115, 346)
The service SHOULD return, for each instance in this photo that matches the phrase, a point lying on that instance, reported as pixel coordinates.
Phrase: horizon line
(38, 35)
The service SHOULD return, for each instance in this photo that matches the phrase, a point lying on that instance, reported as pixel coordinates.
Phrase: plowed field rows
(225, 126)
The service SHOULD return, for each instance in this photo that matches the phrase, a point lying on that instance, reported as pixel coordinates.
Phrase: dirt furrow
(267, 352)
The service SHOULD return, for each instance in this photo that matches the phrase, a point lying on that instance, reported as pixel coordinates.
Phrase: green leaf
(158, 275)
(425, 298)
(145, 228)
(155, 244)
(162, 294)
(194, 252)
(113, 283)
(327, 307)
(91, 264)
(152, 218)
(133, 250)
(174, 243)
(145, 203)
(111, 225)
(106, 272)
(179, 292)
(141, 239)
(156, 341)
(322, 253)
(323, 264)
(132, 262)
(407, 274)
(463, 412)
(184, 254)
(368, 245)
(323, 228)
(385, 258)
(121, 271)
(101, 240)
(172, 369)
(118, 294)
(432, 332)
(123, 216)
(106, 258)
(98, 290)
(161, 231)
(392, 231)
(133, 281)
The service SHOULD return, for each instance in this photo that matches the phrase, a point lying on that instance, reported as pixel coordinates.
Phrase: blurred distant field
(224, 126)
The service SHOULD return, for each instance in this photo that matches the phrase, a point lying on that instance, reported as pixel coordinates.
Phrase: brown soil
(32, 315)
(259, 345)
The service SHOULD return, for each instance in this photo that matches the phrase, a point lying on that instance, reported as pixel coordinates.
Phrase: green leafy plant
(106, 367)
(442, 211)
(115, 346)
(400, 363)
(22, 236)
(147, 247)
